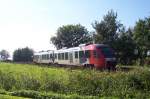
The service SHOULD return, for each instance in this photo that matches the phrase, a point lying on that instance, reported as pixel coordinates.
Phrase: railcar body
(43, 57)
(95, 55)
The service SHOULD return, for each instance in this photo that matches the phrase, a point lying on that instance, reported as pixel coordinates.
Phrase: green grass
(11, 97)
(32, 81)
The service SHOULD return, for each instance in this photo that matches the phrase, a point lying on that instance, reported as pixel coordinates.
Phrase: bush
(129, 84)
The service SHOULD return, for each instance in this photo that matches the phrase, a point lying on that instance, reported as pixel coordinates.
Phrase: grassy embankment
(31, 81)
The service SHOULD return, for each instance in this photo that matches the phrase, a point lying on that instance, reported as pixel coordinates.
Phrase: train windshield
(107, 52)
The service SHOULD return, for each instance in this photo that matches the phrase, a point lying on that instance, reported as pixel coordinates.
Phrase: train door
(71, 57)
(40, 58)
(98, 58)
(76, 58)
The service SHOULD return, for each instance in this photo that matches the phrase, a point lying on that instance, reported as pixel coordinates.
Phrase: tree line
(19, 55)
(23, 55)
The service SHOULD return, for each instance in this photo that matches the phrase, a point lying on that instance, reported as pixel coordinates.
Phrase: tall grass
(85, 82)
(11, 97)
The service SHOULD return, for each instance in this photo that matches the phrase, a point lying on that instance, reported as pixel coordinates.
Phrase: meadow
(42, 82)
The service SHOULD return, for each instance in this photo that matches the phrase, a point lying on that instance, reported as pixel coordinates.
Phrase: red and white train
(95, 55)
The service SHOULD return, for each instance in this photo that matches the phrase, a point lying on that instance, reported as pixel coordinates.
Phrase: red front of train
(101, 56)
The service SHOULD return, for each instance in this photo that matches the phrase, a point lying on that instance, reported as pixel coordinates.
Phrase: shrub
(129, 84)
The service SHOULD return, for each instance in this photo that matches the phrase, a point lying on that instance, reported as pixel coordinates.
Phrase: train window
(87, 54)
(95, 54)
(59, 56)
(62, 56)
(42, 57)
(81, 54)
(66, 56)
(107, 52)
(36, 57)
(76, 54)
(51, 56)
(47, 56)
(55, 56)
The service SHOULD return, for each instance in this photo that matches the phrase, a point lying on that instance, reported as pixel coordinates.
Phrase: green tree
(70, 36)
(107, 29)
(23, 55)
(125, 46)
(4, 54)
(142, 37)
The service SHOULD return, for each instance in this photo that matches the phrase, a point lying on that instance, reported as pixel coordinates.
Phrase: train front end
(105, 57)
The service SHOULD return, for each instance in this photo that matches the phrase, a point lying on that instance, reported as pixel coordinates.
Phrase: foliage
(70, 36)
(106, 29)
(125, 46)
(4, 54)
(73, 83)
(142, 37)
(23, 55)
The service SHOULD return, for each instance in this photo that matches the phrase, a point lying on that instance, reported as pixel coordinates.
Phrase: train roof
(101, 45)
(43, 52)
(80, 47)
(71, 49)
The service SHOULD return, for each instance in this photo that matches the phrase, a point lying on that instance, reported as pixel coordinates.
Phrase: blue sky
(32, 22)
